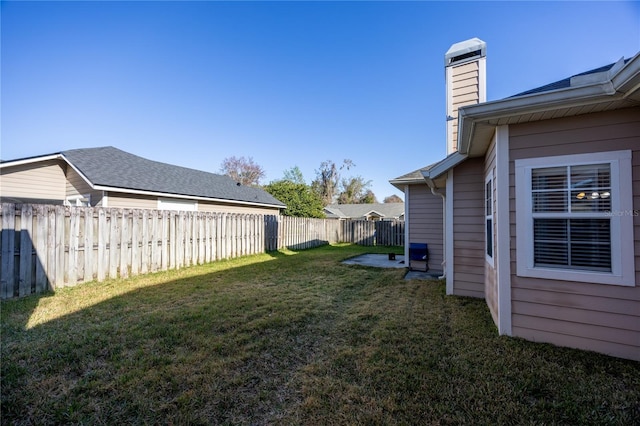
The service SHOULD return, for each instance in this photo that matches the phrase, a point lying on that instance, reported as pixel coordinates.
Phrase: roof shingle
(112, 167)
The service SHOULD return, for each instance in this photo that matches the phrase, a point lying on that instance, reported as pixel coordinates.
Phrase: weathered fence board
(42, 281)
(46, 247)
(26, 247)
(7, 275)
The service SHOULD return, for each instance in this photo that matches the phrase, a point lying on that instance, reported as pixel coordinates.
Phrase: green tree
(392, 199)
(369, 197)
(355, 190)
(300, 199)
(294, 175)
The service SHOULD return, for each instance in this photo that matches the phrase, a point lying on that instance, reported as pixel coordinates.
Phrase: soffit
(617, 87)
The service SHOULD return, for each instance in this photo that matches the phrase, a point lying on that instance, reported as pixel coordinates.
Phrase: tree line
(329, 186)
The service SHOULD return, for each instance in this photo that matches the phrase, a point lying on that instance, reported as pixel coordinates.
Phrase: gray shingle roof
(388, 210)
(415, 175)
(564, 83)
(112, 167)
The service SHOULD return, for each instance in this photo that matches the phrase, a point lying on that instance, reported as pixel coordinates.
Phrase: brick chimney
(465, 76)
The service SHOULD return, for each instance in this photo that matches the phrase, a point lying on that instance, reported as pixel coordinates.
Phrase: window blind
(570, 224)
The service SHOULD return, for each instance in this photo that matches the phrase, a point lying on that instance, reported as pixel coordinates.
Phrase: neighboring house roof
(606, 88)
(358, 211)
(412, 178)
(111, 169)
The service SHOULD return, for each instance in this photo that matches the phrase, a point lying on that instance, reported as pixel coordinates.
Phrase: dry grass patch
(290, 338)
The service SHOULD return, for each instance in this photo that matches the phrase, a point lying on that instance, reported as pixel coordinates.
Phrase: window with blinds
(574, 218)
(571, 220)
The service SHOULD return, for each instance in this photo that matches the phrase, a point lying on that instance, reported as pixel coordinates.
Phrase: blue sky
(286, 83)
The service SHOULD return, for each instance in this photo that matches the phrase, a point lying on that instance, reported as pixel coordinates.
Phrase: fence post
(26, 249)
(102, 244)
(135, 242)
(60, 213)
(74, 231)
(114, 237)
(42, 230)
(88, 245)
(7, 269)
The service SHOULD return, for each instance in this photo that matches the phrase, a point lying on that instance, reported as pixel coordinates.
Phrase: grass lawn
(291, 338)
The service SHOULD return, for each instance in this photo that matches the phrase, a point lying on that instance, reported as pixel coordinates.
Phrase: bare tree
(328, 179)
(243, 170)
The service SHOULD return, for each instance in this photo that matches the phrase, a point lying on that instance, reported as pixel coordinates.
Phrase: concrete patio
(382, 261)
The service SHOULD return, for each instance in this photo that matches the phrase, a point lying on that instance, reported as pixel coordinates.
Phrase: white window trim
(78, 200)
(622, 240)
(448, 233)
(489, 258)
(502, 253)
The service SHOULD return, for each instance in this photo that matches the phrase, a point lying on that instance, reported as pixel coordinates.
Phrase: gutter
(20, 162)
(444, 166)
(590, 92)
(183, 197)
(432, 187)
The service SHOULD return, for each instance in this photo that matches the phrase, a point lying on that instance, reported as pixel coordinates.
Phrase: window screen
(571, 227)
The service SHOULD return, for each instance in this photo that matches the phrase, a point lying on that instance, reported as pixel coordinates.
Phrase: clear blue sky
(287, 83)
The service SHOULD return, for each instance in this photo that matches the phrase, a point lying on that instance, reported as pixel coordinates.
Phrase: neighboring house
(541, 196)
(109, 177)
(377, 211)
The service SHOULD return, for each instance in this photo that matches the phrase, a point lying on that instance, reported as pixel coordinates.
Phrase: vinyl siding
(599, 317)
(465, 90)
(230, 208)
(426, 223)
(76, 185)
(134, 201)
(45, 180)
(468, 228)
(131, 201)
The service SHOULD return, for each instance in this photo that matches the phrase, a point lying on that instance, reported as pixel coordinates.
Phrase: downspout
(406, 224)
(432, 187)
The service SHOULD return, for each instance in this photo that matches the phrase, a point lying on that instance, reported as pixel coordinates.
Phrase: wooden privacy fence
(45, 247)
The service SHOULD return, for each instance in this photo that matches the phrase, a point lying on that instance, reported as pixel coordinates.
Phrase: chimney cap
(465, 51)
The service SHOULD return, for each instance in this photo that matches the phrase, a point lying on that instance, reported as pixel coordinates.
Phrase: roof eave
(401, 183)
(188, 197)
(443, 166)
(49, 157)
(627, 80)
(78, 171)
(30, 160)
(475, 121)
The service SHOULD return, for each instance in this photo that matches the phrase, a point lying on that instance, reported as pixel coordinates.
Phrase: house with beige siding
(541, 199)
(110, 177)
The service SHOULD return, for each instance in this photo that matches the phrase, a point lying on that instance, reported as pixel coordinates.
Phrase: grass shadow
(290, 338)
(186, 345)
